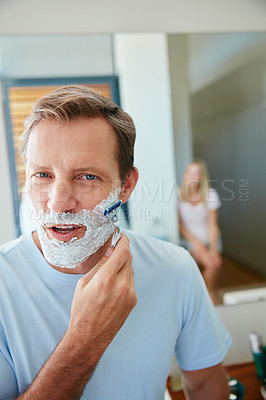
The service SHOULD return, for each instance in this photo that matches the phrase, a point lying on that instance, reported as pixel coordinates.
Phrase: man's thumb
(103, 260)
(98, 266)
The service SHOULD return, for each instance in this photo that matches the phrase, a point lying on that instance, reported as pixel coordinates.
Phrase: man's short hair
(76, 101)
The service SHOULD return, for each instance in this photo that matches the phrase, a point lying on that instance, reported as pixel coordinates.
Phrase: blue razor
(113, 207)
(111, 212)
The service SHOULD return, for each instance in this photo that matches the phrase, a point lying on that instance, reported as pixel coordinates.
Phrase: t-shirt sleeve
(8, 382)
(203, 340)
(213, 200)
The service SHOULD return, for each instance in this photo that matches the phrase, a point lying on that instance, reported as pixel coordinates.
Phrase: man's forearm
(208, 384)
(208, 393)
(66, 372)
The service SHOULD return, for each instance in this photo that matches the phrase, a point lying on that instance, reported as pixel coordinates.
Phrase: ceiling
(105, 16)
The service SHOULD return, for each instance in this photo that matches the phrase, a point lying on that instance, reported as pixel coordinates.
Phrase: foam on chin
(72, 253)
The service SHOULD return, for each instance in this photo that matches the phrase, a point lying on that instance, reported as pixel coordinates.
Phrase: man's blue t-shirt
(173, 314)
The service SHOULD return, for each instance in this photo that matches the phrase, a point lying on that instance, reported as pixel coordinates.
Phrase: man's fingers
(114, 259)
(118, 257)
(89, 275)
(126, 270)
(131, 276)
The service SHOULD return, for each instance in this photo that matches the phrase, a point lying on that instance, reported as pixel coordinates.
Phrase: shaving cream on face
(69, 254)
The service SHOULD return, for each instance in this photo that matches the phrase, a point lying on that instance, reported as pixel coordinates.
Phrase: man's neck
(82, 268)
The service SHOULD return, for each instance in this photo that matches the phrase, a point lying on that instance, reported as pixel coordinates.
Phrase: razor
(111, 213)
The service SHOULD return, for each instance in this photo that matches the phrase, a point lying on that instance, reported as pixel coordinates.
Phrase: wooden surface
(235, 276)
(244, 373)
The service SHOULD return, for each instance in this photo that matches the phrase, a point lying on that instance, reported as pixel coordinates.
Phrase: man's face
(70, 167)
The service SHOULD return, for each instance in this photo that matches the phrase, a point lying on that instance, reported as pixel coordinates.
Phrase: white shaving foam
(69, 254)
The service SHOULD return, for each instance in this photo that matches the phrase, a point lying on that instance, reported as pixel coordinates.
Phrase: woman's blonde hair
(204, 184)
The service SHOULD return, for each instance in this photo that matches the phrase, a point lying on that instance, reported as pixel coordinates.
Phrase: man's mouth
(64, 232)
(64, 229)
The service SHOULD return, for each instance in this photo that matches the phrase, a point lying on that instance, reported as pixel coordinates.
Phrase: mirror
(191, 94)
(228, 124)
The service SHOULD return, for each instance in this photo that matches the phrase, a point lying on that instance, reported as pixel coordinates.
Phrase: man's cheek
(37, 194)
(90, 196)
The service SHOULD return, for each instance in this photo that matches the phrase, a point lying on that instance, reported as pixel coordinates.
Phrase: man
(74, 322)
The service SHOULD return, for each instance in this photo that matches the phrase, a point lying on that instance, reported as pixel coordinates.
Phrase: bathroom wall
(229, 122)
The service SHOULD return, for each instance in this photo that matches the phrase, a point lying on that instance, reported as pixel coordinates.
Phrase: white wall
(142, 64)
(55, 56)
(65, 16)
(241, 320)
(180, 100)
(212, 56)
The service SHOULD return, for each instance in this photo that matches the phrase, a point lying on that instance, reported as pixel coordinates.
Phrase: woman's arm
(209, 258)
(214, 256)
(213, 229)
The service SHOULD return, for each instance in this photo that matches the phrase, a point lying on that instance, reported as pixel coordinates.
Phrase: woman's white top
(195, 217)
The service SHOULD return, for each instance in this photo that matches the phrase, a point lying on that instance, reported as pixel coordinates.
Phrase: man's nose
(62, 197)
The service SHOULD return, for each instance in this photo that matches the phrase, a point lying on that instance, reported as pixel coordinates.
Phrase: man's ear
(129, 184)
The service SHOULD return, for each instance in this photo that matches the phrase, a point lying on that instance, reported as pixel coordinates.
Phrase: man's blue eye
(43, 175)
(89, 177)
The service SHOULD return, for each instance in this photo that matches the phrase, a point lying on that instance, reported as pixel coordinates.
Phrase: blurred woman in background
(198, 222)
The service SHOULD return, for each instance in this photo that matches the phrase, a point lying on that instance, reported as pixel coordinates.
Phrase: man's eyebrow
(88, 168)
(38, 166)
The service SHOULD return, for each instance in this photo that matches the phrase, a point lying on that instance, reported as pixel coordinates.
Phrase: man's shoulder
(10, 261)
(10, 246)
(159, 262)
(157, 250)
